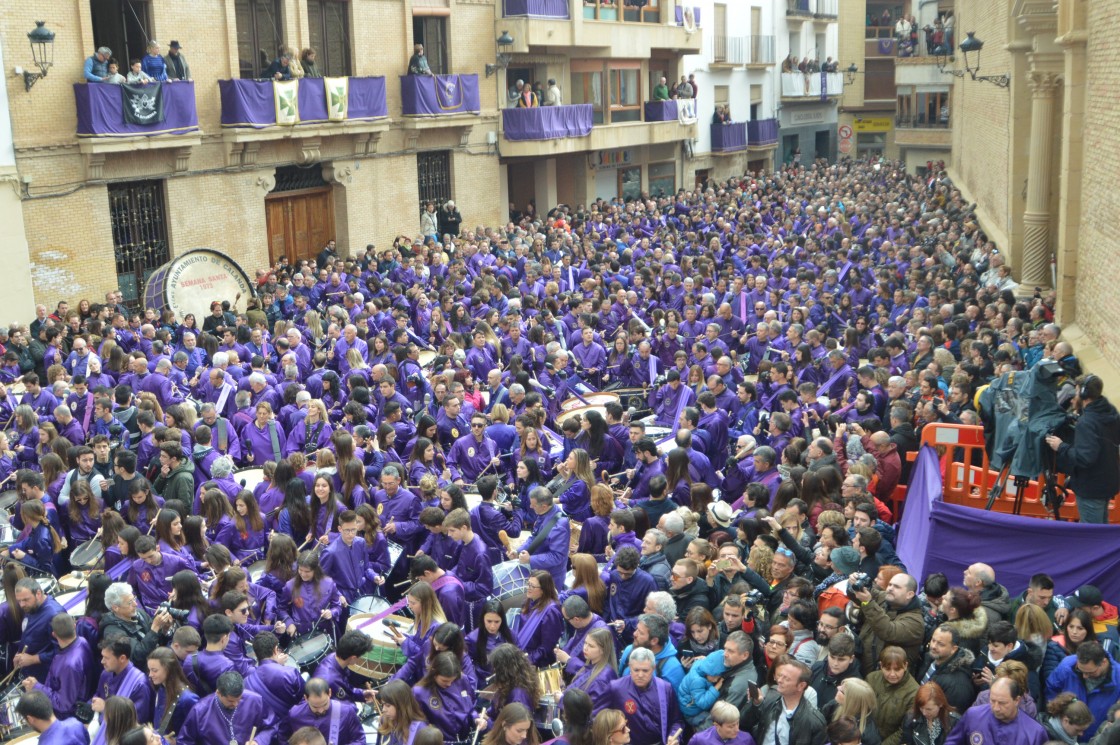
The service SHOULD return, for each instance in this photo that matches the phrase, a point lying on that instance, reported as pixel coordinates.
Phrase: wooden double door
(299, 223)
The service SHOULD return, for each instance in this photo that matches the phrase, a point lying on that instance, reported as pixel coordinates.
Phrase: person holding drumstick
(310, 598)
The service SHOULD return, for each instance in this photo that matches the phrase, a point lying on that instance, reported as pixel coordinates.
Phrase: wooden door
(299, 223)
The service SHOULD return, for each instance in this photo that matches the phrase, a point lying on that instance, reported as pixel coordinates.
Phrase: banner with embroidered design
(142, 104)
(338, 98)
(285, 98)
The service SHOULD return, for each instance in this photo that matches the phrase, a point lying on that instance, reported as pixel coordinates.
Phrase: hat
(175, 45)
(1085, 597)
(845, 559)
(721, 514)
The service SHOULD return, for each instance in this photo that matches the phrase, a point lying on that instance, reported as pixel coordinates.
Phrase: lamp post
(972, 46)
(42, 53)
(502, 62)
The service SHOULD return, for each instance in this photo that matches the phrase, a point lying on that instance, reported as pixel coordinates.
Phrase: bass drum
(191, 281)
(249, 478)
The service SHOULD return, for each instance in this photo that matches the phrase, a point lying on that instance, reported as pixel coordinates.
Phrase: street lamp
(42, 53)
(972, 46)
(502, 62)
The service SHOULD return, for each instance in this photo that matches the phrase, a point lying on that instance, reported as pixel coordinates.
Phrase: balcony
(558, 130)
(729, 138)
(807, 87)
(762, 134)
(818, 11)
(760, 52)
(922, 131)
(626, 30)
(303, 112)
(729, 52)
(439, 95)
(103, 130)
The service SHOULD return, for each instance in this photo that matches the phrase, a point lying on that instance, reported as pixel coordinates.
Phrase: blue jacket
(695, 694)
(1067, 678)
(668, 667)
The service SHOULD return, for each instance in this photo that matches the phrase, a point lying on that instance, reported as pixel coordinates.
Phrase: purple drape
(249, 103)
(886, 46)
(680, 16)
(762, 132)
(439, 95)
(661, 111)
(535, 8)
(100, 113)
(729, 137)
(940, 537)
(547, 122)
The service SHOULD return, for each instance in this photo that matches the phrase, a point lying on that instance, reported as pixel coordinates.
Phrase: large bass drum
(191, 281)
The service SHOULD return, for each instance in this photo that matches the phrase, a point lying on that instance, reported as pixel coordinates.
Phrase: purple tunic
(711, 736)
(339, 725)
(649, 721)
(449, 708)
(131, 684)
(153, 583)
(307, 606)
(210, 723)
(538, 631)
(68, 679)
(339, 679)
(280, 686)
(348, 566)
(597, 688)
(65, 732)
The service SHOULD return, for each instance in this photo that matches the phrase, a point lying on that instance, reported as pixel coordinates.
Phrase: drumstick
(4, 682)
(253, 735)
(504, 538)
(154, 519)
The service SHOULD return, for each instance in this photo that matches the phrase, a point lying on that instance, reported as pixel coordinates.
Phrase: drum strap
(312, 443)
(446, 579)
(336, 723)
(387, 612)
(166, 720)
(204, 687)
(223, 435)
(274, 437)
(542, 534)
(223, 397)
(660, 684)
(88, 412)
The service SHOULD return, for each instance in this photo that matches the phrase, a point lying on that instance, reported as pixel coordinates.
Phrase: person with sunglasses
(473, 454)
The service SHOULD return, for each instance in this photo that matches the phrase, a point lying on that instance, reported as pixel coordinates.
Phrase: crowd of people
(630, 466)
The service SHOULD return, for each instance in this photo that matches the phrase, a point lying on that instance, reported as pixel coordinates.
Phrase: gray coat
(171, 67)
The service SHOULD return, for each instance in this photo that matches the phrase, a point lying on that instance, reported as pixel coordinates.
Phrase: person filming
(1092, 460)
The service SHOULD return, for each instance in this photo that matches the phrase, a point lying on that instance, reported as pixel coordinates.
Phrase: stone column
(1035, 269)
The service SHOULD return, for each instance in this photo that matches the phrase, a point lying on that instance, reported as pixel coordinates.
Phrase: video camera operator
(1092, 460)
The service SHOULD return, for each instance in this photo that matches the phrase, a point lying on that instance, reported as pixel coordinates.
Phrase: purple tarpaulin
(762, 132)
(535, 8)
(695, 15)
(100, 112)
(249, 103)
(439, 95)
(661, 111)
(547, 122)
(886, 46)
(940, 537)
(729, 137)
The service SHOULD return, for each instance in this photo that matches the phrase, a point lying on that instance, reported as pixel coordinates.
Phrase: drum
(577, 412)
(8, 532)
(633, 398)
(590, 399)
(552, 688)
(49, 585)
(31, 738)
(73, 581)
(12, 725)
(8, 499)
(509, 583)
(88, 555)
(249, 477)
(426, 357)
(396, 550)
(656, 433)
(386, 657)
(191, 281)
(369, 604)
(17, 388)
(576, 529)
(74, 602)
(473, 500)
(256, 571)
(307, 651)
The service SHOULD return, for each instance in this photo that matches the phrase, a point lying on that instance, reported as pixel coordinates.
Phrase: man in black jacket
(950, 666)
(784, 716)
(1093, 459)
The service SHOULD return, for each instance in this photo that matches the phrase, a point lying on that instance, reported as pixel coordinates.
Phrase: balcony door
(431, 31)
(124, 26)
(299, 214)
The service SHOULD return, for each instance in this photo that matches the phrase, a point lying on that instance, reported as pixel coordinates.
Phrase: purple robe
(468, 457)
(339, 679)
(449, 708)
(474, 570)
(574, 647)
(538, 631)
(209, 723)
(153, 583)
(65, 732)
(487, 520)
(131, 684)
(280, 686)
(339, 725)
(551, 554)
(598, 688)
(979, 725)
(305, 609)
(68, 678)
(348, 566)
(711, 736)
(205, 667)
(649, 721)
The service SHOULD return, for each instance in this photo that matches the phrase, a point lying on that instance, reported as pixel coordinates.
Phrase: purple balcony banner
(535, 8)
(439, 95)
(661, 111)
(886, 46)
(249, 103)
(728, 138)
(547, 122)
(101, 112)
(762, 132)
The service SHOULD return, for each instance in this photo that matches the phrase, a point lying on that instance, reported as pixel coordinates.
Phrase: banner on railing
(285, 99)
(338, 98)
(686, 111)
(142, 104)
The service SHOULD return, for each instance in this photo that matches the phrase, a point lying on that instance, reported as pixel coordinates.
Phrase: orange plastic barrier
(958, 447)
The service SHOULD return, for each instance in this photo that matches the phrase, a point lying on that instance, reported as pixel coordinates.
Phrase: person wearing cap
(96, 68)
(1104, 615)
(176, 63)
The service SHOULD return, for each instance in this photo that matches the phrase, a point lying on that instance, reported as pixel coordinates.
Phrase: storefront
(810, 129)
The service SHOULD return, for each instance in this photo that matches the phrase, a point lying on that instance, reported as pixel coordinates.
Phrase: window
(330, 35)
(722, 95)
(123, 26)
(259, 35)
(630, 182)
(433, 177)
(431, 31)
(662, 179)
(870, 143)
(587, 87)
(137, 217)
(626, 95)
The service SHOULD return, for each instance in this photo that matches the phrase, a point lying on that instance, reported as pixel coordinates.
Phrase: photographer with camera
(126, 617)
(1092, 460)
(893, 617)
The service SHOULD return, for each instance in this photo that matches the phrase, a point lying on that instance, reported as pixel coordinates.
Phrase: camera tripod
(1052, 494)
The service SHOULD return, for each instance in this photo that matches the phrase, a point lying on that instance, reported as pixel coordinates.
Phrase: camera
(754, 597)
(763, 419)
(862, 581)
(176, 613)
(764, 377)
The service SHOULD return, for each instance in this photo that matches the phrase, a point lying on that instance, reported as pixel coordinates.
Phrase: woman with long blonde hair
(587, 582)
(427, 611)
(856, 699)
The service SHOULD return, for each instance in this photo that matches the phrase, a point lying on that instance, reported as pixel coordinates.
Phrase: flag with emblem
(285, 97)
(142, 104)
(338, 98)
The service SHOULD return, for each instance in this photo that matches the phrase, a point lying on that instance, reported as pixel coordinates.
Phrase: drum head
(309, 649)
(77, 608)
(578, 411)
(256, 571)
(73, 581)
(249, 477)
(88, 555)
(8, 500)
(426, 357)
(369, 604)
(191, 281)
(590, 399)
(509, 583)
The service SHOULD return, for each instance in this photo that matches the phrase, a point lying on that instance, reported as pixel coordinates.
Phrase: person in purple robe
(449, 591)
(279, 684)
(263, 439)
(399, 509)
(337, 721)
(649, 702)
(150, 574)
(345, 559)
(310, 599)
(35, 708)
(473, 454)
(71, 671)
(599, 668)
(122, 678)
(229, 715)
(1000, 721)
(547, 547)
(670, 399)
(540, 624)
(725, 728)
(335, 667)
(446, 697)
